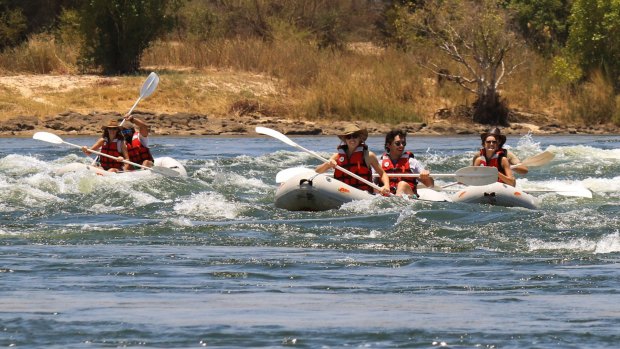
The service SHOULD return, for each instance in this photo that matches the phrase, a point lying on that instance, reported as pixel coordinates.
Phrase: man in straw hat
(492, 154)
(137, 142)
(353, 155)
(111, 143)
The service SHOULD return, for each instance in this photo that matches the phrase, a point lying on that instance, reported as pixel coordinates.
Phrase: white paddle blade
(277, 135)
(575, 192)
(289, 173)
(477, 175)
(537, 160)
(47, 137)
(149, 86)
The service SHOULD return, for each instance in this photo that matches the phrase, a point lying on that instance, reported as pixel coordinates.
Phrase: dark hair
(389, 137)
(106, 135)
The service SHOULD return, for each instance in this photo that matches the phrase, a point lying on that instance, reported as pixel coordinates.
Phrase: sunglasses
(352, 136)
(400, 143)
(490, 142)
(126, 131)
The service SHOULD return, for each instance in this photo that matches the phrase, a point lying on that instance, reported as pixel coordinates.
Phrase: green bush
(116, 32)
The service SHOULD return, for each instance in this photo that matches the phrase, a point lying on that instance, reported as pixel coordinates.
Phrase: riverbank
(184, 124)
(38, 102)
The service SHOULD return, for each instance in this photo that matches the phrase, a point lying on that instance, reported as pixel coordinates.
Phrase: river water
(208, 261)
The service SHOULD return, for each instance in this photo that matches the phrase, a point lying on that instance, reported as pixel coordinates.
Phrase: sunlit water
(208, 261)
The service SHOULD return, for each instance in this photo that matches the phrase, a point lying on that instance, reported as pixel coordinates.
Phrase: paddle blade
(275, 134)
(149, 85)
(47, 137)
(476, 175)
(575, 192)
(289, 173)
(539, 160)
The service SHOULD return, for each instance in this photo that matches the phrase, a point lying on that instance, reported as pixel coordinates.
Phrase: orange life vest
(495, 161)
(138, 153)
(115, 149)
(356, 164)
(401, 166)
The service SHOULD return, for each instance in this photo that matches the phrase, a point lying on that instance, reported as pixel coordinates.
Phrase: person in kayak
(397, 160)
(492, 154)
(113, 144)
(353, 155)
(514, 161)
(137, 142)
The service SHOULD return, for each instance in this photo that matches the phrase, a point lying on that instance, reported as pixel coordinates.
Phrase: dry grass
(287, 78)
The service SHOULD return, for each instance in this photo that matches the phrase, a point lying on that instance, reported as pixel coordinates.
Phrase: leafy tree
(116, 32)
(544, 23)
(475, 34)
(12, 27)
(593, 37)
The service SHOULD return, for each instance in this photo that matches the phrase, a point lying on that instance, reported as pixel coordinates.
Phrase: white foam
(606, 244)
(209, 205)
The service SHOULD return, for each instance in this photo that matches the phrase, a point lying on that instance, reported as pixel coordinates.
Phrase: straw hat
(495, 132)
(351, 129)
(111, 124)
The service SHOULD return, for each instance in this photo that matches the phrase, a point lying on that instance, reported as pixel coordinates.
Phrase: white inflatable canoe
(166, 162)
(496, 194)
(311, 191)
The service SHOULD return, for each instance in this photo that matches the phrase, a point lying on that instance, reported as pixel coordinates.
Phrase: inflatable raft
(311, 191)
(166, 162)
(496, 194)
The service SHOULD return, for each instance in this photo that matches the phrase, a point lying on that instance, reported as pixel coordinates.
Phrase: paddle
(470, 175)
(537, 160)
(573, 191)
(147, 89)
(277, 135)
(52, 138)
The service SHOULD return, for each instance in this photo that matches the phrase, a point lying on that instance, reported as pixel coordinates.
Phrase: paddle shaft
(108, 156)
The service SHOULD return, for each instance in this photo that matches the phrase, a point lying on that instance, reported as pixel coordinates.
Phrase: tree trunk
(490, 109)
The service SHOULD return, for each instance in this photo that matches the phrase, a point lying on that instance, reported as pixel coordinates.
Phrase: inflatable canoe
(166, 162)
(496, 194)
(311, 191)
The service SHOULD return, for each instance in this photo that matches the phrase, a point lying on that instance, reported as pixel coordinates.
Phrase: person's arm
(95, 146)
(514, 160)
(509, 177)
(425, 177)
(327, 165)
(374, 163)
(477, 161)
(143, 127)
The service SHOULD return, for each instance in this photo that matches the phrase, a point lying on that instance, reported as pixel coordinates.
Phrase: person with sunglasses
(353, 155)
(515, 162)
(397, 160)
(137, 142)
(113, 144)
(492, 154)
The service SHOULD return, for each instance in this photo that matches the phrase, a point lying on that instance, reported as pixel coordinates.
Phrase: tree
(593, 37)
(475, 34)
(116, 32)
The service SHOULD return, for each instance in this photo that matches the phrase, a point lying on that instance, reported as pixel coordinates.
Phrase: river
(208, 261)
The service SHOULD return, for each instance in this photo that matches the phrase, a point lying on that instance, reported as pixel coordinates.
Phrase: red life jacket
(401, 166)
(137, 152)
(115, 149)
(495, 161)
(356, 164)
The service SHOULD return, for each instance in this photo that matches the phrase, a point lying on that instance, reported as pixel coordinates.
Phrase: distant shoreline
(183, 124)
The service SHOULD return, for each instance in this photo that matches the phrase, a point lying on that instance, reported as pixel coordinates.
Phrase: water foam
(209, 205)
(605, 244)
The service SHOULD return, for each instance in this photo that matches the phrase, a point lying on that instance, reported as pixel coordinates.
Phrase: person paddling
(492, 154)
(111, 143)
(515, 162)
(397, 160)
(137, 142)
(353, 155)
